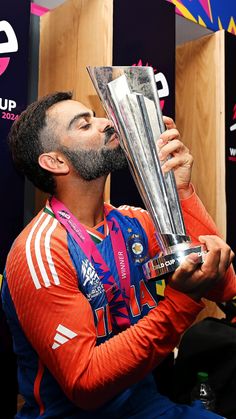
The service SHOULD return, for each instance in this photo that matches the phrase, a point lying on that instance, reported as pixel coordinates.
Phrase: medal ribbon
(117, 300)
(120, 255)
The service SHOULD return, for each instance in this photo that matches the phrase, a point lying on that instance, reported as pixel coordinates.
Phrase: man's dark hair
(31, 136)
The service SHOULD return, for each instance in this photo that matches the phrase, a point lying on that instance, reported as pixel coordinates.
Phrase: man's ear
(54, 162)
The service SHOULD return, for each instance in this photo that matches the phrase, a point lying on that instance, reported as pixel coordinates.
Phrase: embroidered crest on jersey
(90, 280)
(137, 248)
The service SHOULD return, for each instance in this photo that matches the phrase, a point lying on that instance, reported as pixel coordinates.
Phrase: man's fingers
(211, 241)
(179, 156)
(173, 146)
(211, 265)
(187, 267)
(175, 162)
(226, 254)
(195, 278)
(169, 135)
(169, 122)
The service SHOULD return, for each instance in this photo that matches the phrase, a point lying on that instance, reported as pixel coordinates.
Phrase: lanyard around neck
(117, 299)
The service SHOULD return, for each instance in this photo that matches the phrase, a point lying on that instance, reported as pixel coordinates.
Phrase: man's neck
(84, 199)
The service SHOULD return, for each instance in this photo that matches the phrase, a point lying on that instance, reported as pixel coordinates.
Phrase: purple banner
(14, 35)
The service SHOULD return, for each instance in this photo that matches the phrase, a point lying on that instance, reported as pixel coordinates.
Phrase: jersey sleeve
(58, 322)
(199, 222)
(196, 218)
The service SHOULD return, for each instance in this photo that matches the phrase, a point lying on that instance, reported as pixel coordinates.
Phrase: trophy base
(169, 263)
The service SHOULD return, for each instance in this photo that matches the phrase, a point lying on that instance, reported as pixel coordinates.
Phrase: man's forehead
(68, 107)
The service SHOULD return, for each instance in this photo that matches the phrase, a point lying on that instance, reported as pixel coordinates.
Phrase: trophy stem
(151, 142)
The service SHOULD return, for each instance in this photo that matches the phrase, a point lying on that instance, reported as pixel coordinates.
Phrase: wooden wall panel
(74, 35)
(200, 117)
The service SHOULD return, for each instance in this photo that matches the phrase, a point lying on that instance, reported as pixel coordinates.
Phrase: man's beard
(92, 164)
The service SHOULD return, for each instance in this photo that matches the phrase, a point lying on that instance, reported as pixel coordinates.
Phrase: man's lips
(113, 137)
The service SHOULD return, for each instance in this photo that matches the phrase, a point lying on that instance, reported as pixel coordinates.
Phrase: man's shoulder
(40, 255)
(129, 210)
(133, 215)
(42, 230)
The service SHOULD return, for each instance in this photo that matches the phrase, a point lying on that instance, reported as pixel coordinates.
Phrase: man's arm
(197, 221)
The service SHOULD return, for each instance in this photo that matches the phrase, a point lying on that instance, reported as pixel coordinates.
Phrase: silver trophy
(130, 98)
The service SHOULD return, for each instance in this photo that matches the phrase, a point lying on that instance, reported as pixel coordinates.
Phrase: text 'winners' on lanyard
(117, 300)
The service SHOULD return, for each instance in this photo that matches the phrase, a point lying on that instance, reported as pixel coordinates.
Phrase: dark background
(230, 138)
(13, 85)
(147, 34)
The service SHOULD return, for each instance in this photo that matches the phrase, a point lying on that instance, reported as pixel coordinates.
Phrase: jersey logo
(62, 336)
(137, 248)
(90, 280)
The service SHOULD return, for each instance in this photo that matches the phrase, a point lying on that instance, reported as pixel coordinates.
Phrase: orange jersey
(59, 315)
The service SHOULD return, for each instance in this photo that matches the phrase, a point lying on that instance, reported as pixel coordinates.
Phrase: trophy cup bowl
(130, 98)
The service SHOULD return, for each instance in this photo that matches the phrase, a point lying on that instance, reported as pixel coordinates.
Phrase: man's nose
(104, 124)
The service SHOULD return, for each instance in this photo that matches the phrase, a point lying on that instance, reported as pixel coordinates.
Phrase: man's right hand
(195, 279)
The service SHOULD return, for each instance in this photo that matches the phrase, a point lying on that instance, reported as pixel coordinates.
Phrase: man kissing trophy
(130, 98)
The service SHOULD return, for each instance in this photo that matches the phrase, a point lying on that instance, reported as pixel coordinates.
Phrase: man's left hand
(181, 162)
